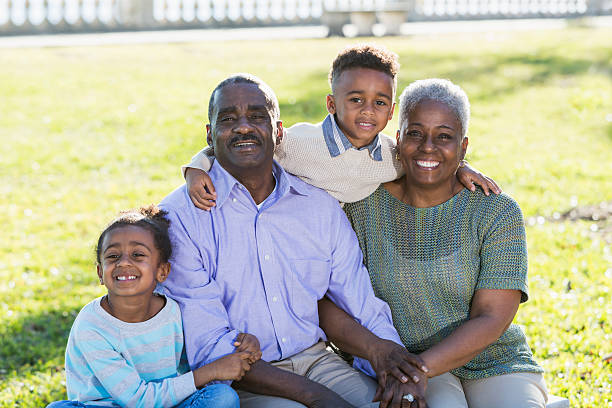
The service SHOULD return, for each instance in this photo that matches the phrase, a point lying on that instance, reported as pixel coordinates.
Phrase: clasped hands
(398, 373)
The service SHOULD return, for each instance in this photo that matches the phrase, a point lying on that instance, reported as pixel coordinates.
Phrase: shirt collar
(225, 183)
(338, 143)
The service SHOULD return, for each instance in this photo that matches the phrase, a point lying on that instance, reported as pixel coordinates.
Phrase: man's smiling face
(243, 128)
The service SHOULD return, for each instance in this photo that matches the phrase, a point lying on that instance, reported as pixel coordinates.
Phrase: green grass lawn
(86, 132)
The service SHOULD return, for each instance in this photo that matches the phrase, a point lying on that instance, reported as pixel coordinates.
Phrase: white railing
(37, 16)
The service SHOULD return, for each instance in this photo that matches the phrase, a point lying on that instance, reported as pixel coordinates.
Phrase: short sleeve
(503, 250)
(203, 160)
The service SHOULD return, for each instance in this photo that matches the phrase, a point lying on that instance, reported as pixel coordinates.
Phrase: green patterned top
(427, 263)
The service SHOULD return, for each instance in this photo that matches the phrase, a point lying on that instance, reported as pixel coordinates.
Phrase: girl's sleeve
(122, 382)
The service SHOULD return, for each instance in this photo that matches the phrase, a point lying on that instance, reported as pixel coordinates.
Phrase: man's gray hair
(242, 78)
(441, 90)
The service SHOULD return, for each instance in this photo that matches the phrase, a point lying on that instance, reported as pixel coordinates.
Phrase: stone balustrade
(49, 16)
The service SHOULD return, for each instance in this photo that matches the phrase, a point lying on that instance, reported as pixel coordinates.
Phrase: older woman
(451, 263)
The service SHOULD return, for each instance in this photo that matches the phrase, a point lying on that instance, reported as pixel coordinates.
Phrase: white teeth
(244, 144)
(428, 164)
(122, 278)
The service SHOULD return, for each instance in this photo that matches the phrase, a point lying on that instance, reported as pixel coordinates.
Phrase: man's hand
(391, 395)
(389, 359)
(201, 189)
(248, 342)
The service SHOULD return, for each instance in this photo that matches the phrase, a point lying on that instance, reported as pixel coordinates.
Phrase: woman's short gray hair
(436, 89)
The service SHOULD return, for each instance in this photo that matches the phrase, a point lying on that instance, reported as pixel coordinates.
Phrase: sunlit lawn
(86, 132)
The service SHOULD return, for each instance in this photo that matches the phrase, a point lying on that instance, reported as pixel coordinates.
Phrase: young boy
(346, 154)
(126, 348)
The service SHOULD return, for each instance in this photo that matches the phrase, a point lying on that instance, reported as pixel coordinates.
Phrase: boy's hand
(249, 343)
(468, 175)
(201, 189)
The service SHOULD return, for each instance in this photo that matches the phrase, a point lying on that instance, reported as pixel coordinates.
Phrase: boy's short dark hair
(151, 218)
(370, 56)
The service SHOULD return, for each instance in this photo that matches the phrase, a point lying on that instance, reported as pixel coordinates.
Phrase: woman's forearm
(492, 312)
(465, 343)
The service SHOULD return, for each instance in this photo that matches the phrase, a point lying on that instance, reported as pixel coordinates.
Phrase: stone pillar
(363, 20)
(595, 7)
(136, 13)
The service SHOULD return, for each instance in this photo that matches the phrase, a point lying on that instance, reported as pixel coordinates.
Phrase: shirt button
(275, 299)
(267, 257)
(234, 200)
(284, 340)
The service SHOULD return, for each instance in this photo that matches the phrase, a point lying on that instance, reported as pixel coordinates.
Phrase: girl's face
(130, 263)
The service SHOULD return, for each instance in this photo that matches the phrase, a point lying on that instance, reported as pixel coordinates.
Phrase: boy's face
(362, 101)
(129, 262)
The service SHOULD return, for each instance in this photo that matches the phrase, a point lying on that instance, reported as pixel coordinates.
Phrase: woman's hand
(468, 175)
(391, 395)
(201, 189)
(249, 343)
(391, 359)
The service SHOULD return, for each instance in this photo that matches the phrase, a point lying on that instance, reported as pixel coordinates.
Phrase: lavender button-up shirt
(239, 269)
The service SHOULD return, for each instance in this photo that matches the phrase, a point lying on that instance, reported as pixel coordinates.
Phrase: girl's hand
(231, 367)
(468, 175)
(201, 189)
(249, 343)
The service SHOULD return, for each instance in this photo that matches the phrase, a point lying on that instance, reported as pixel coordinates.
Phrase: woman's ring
(408, 397)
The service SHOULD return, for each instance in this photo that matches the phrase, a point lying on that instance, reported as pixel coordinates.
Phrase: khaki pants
(517, 390)
(325, 367)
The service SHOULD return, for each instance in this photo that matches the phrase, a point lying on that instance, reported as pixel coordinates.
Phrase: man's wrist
(381, 349)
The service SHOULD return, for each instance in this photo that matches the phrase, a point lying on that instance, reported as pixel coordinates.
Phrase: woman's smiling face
(430, 144)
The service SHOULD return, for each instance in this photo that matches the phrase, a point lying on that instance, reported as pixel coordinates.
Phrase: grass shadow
(35, 340)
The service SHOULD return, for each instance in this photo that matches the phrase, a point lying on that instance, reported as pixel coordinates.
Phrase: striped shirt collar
(338, 143)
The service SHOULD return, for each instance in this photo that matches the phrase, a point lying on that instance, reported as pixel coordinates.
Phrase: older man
(260, 261)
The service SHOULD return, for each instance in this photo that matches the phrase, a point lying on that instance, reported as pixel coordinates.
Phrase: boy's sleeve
(203, 160)
(120, 380)
(389, 152)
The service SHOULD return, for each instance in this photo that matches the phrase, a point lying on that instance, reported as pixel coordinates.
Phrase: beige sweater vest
(349, 177)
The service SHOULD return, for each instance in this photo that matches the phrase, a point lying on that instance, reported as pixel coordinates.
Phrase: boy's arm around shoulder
(199, 184)
(202, 160)
(389, 155)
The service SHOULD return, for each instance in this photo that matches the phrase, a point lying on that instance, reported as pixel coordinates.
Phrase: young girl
(126, 348)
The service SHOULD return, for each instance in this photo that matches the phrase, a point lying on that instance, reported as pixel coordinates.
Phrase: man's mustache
(249, 137)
